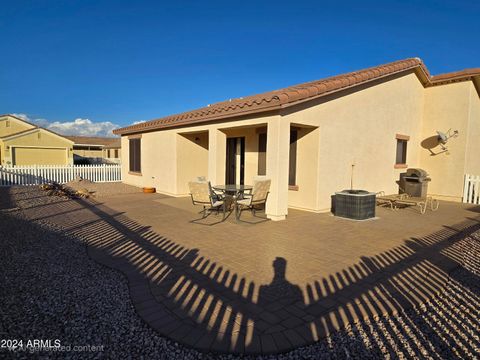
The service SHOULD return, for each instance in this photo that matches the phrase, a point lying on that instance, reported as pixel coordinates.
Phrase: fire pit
(354, 204)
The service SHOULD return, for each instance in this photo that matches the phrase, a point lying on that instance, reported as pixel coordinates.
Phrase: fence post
(476, 193)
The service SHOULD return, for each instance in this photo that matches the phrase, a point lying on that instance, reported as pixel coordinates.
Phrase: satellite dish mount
(443, 137)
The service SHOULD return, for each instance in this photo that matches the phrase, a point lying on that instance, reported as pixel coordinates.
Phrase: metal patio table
(233, 191)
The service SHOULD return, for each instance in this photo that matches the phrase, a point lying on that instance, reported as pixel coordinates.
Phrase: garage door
(39, 156)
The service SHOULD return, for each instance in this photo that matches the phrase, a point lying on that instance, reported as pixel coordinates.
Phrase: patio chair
(422, 203)
(388, 200)
(258, 196)
(202, 194)
(405, 200)
(217, 195)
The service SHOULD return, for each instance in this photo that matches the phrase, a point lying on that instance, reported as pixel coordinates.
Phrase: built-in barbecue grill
(415, 182)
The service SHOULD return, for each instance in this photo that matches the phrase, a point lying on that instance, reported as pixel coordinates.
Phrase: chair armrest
(220, 193)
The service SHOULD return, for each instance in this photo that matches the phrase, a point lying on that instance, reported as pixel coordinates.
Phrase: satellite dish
(442, 137)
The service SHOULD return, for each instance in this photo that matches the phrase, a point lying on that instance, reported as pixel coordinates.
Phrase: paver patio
(269, 287)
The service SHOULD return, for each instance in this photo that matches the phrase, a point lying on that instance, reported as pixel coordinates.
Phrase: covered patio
(271, 287)
(284, 152)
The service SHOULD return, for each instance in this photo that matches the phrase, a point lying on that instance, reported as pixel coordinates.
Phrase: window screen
(135, 158)
(401, 151)
(292, 173)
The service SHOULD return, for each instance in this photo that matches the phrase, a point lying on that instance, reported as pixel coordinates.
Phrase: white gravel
(51, 289)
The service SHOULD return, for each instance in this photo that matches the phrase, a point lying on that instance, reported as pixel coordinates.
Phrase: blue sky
(94, 65)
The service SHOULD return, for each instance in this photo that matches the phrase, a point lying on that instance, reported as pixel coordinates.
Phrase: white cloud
(83, 127)
(22, 116)
(138, 122)
(79, 126)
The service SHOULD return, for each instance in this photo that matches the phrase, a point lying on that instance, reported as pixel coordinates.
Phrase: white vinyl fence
(40, 174)
(471, 190)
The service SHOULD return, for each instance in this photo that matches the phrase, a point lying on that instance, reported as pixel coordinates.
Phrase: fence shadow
(200, 303)
(6, 199)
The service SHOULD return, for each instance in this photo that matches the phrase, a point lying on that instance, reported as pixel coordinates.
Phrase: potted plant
(149, 190)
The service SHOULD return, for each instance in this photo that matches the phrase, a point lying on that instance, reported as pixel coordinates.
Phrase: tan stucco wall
(357, 127)
(472, 165)
(112, 153)
(45, 140)
(2, 152)
(360, 129)
(192, 159)
(16, 126)
(88, 153)
(446, 107)
(170, 159)
(84, 152)
(158, 162)
(308, 143)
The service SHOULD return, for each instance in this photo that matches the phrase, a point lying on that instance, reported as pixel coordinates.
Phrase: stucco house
(312, 139)
(95, 149)
(23, 143)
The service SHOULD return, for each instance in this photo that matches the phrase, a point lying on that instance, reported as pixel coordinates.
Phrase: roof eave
(93, 145)
(130, 131)
(291, 96)
(420, 73)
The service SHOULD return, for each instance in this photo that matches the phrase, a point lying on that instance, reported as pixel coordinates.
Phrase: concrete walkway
(268, 287)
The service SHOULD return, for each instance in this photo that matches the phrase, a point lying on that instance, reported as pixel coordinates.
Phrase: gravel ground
(51, 289)
(103, 189)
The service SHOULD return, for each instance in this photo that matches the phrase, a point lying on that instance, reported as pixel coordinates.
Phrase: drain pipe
(351, 176)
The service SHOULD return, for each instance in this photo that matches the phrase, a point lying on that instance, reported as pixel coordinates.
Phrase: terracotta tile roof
(95, 141)
(292, 95)
(466, 74)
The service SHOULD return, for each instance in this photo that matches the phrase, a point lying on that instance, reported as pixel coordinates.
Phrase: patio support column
(217, 145)
(278, 147)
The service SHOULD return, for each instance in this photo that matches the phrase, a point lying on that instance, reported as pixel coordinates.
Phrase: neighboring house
(313, 139)
(96, 150)
(23, 143)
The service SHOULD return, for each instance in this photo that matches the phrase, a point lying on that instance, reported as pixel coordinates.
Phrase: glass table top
(233, 187)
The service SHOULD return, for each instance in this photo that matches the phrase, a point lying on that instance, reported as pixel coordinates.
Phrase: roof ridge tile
(300, 92)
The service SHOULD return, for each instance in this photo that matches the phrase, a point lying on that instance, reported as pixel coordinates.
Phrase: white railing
(471, 190)
(40, 174)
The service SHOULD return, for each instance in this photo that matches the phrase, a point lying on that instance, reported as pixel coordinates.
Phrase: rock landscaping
(51, 289)
(54, 189)
(101, 189)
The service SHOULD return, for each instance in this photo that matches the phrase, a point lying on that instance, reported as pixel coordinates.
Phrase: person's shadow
(280, 289)
(279, 302)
